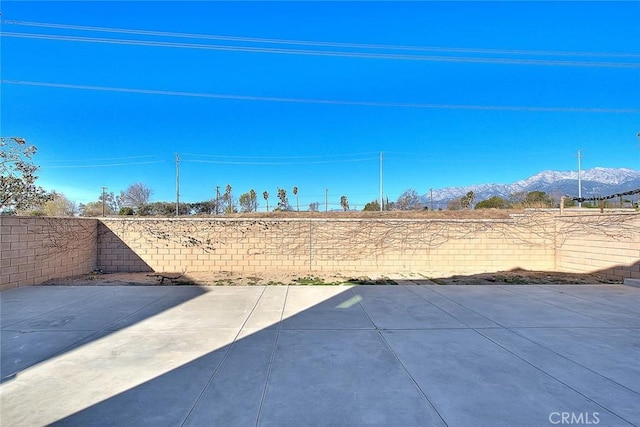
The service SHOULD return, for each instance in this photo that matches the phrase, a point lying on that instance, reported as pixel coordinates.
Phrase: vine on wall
(360, 238)
(62, 236)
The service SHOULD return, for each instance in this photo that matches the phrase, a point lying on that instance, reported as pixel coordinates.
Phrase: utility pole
(177, 184)
(217, 199)
(579, 179)
(638, 136)
(326, 199)
(104, 200)
(431, 198)
(638, 198)
(381, 181)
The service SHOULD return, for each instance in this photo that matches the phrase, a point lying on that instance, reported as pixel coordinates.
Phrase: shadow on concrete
(379, 355)
(228, 386)
(76, 316)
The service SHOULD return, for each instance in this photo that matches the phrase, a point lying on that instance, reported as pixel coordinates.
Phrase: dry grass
(422, 214)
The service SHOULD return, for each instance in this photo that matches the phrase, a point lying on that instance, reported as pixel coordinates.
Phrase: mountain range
(595, 182)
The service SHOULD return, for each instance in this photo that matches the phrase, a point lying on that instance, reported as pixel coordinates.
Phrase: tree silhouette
(136, 196)
(409, 200)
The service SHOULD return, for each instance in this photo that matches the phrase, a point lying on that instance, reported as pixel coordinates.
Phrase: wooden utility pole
(217, 199)
(104, 199)
(431, 198)
(381, 183)
(177, 184)
(326, 199)
(579, 179)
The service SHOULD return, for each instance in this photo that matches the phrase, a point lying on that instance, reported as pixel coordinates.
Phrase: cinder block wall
(607, 244)
(34, 250)
(382, 246)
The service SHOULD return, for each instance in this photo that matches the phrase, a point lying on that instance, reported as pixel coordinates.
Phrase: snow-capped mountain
(595, 182)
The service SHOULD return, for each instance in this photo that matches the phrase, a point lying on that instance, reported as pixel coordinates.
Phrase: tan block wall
(117, 255)
(34, 250)
(607, 244)
(381, 246)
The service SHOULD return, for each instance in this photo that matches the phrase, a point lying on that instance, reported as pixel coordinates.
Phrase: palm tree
(467, 200)
(344, 203)
(283, 204)
(295, 193)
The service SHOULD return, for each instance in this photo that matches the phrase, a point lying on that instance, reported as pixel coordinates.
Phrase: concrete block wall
(34, 250)
(117, 255)
(381, 246)
(606, 244)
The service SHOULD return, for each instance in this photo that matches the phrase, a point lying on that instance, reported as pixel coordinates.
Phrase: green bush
(496, 202)
(126, 211)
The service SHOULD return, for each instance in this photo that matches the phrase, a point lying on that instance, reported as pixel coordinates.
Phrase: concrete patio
(408, 355)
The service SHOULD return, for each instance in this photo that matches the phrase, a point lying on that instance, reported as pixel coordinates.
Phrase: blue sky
(572, 69)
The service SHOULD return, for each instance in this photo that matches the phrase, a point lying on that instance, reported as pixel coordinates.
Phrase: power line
(102, 159)
(464, 59)
(280, 157)
(295, 160)
(221, 162)
(102, 165)
(317, 43)
(327, 101)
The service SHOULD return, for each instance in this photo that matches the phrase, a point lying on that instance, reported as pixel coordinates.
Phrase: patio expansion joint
(564, 308)
(457, 303)
(222, 360)
(271, 358)
(402, 365)
(582, 297)
(515, 331)
(512, 330)
(557, 379)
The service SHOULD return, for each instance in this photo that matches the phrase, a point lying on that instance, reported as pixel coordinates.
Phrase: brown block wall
(34, 250)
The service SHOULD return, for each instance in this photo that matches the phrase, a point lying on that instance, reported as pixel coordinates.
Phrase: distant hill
(595, 182)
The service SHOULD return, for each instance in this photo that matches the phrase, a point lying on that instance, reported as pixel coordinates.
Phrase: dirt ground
(227, 278)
